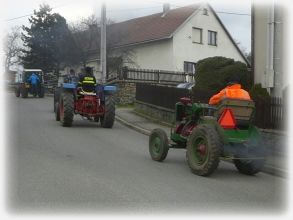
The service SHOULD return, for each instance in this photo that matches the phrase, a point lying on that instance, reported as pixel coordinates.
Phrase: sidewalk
(274, 163)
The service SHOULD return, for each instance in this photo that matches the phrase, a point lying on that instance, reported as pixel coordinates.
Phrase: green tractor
(210, 133)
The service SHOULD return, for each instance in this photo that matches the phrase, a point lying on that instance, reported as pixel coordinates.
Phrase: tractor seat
(82, 92)
(242, 110)
(185, 100)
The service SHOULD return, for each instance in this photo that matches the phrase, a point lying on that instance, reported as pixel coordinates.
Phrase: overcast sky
(72, 10)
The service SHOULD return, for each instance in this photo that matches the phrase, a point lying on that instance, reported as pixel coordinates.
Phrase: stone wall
(158, 113)
(126, 92)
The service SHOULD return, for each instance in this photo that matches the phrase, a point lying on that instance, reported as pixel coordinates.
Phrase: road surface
(86, 168)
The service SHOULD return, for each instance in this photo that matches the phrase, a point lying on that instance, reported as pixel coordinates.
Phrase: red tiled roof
(149, 28)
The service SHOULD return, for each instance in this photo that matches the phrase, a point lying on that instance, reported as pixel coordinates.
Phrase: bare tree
(12, 48)
(86, 34)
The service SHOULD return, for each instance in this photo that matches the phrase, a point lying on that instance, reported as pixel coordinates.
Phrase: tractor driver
(233, 90)
(34, 80)
(88, 81)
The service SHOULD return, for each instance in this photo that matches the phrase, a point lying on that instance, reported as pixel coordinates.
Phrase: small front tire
(158, 145)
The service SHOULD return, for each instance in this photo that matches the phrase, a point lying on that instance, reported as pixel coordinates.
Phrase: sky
(13, 12)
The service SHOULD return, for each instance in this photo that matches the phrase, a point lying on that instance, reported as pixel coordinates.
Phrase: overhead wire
(121, 10)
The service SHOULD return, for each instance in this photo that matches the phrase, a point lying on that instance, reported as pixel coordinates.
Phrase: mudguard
(68, 85)
(108, 90)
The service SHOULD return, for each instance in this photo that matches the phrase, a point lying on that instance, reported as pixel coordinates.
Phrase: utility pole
(103, 56)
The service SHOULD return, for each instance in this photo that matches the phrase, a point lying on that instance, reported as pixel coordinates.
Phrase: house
(173, 40)
(268, 47)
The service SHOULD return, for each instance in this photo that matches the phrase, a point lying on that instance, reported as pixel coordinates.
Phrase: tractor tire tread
(68, 106)
(215, 150)
(109, 117)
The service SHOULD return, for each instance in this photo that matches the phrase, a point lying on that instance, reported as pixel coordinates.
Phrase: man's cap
(234, 79)
(88, 69)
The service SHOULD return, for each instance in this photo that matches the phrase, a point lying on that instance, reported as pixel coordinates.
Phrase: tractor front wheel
(203, 150)
(107, 121)
(158, 145)
(66, 107)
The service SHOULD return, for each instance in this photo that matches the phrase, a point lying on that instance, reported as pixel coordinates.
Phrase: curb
(132, 126)
(266, 169)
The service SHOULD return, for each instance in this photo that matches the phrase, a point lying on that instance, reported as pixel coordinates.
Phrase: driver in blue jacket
(34, 80)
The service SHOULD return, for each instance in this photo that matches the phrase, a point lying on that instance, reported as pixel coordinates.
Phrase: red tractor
(97, 106)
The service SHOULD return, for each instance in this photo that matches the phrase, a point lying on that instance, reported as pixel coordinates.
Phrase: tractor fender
(109, 89)
(68, 85)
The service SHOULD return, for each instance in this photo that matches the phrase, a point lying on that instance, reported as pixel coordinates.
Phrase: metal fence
(270, 112)
(153, 76)
(159, 95)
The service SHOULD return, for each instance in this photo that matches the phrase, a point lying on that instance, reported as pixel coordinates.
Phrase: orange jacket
(234, 91)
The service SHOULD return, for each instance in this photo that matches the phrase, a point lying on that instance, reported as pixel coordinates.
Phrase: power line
(23, 16)
(220, 12)
(114, 10)
(177, 6)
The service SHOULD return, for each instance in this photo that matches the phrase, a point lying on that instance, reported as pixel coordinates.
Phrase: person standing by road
(34, 81)
(71, 77)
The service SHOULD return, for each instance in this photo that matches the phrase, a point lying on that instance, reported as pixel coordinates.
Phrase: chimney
(166, 8)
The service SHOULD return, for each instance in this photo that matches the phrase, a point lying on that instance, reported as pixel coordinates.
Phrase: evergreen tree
(48, 41)
(212, 73)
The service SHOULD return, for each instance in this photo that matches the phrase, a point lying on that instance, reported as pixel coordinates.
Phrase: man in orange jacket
(233, 90)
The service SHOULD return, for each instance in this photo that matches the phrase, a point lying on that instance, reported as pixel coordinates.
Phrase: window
(197, 35)
(189, 67)
(212, 38)
(205, 11)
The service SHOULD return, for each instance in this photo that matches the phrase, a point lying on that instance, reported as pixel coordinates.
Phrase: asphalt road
(86, 168)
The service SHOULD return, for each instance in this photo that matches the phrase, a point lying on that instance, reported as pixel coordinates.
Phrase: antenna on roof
(166, 8)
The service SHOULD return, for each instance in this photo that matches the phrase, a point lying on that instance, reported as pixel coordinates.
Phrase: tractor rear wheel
(158, 145)
(57, 111)
(41, 92)
(255, 155)
(66, 107)
(24, 92)
(107, 121)
(17, 91)
(203, 150)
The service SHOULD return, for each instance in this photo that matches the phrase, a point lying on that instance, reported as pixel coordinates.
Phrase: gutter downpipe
(270, 48)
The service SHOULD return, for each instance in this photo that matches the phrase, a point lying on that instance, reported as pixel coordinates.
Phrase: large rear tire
(66, 107)
(17, 91)
(107, 121)
(57, 112)
(41, 92)
(24, 92)
(158, 145)
(255, 154)
(203, 150)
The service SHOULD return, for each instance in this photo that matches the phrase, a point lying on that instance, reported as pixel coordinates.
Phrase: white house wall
(185, 50)
(155, 55)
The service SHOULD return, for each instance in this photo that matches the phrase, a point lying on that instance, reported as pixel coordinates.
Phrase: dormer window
(205, 11)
